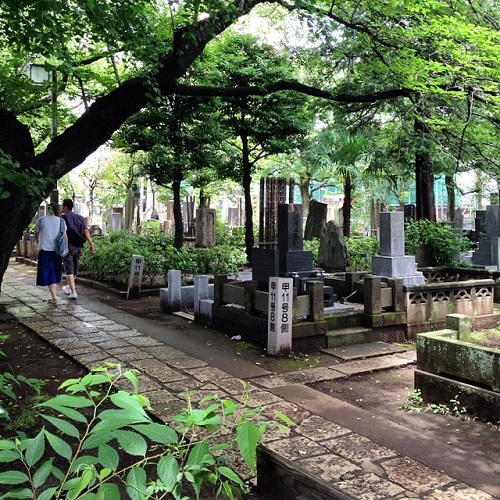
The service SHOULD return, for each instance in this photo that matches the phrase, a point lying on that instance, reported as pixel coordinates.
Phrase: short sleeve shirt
(77, 223)
(48, 227)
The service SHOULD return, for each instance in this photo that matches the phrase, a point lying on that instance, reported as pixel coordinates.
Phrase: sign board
(135, 278)
(279, 323)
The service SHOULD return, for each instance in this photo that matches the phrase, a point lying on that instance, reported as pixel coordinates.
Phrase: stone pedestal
(392, 261)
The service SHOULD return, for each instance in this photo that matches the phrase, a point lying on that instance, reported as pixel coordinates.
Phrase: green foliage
(313, 246)
(229, 236)
(12, 174)
(95, 417)
(414, 402)
(360, 251)
(150, 227)
(9, 382)
(443, 239)
(113, 254)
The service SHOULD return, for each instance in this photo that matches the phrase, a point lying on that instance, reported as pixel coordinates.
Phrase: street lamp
(38, 74)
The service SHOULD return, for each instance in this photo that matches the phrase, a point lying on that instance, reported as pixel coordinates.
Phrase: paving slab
(360, 351)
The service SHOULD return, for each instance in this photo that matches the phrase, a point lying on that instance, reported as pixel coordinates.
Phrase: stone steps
(348, 336)
(347, 353)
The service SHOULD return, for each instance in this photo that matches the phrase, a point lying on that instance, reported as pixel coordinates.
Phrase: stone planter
(450, 367)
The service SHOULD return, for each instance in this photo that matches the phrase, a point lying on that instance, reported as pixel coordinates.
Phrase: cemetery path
(374, 450)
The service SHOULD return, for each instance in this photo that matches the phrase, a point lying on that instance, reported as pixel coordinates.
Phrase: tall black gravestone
(289, 258)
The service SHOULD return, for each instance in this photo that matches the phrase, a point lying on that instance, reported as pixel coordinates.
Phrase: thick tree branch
(292, 85)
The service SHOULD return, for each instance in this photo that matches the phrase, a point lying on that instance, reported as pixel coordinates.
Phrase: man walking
(78, 234)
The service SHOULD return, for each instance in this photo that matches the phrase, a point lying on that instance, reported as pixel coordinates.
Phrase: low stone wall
(450, 367)
(427, 305)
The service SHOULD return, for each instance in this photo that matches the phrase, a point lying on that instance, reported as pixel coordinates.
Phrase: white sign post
(279, 324)
(136, 270)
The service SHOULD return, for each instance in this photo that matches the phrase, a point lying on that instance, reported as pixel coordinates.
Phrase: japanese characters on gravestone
(135, 277)
(279, 335)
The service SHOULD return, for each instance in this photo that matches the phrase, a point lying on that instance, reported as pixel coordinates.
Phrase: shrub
(113, 254)
(443, 239)
(313, 246)
(95, 417)
(360, 251)
(226, 235)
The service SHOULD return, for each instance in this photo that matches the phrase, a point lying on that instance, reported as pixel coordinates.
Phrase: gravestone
(205, 227)
(392, 261)
(488, 253)
(332, 252)
(316, 220)
(458, 220)
(410, 211)
(289, 258)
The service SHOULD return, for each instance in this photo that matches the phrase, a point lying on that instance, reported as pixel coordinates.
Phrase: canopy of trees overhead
(437, 60)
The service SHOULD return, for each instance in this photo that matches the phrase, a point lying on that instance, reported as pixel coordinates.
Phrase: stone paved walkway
(363, 456)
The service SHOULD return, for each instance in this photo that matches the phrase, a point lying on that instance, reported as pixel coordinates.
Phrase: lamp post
(38, 74)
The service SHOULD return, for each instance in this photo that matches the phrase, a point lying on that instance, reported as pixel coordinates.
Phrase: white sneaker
(73, 296)
(67, 289)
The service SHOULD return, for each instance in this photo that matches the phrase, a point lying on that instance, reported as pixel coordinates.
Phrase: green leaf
(7, 444)
(168, 470)
(47, 494)
(246, 437)
(108, 456)
(7, 456)
(108, 491)
(83, 482)
(130, 375)
(230, 474)
(96, 439)
(159, 433)
(19, 493)
(35, 449)
(13, 477)
(136, 483)
(43, 472)
(71, 413)
(94, 379)
(199, 455)
(132, 442)
(285, 419)
(67, 400)
(83, 461)
(125, 400)
(64, 426)
(60, 446)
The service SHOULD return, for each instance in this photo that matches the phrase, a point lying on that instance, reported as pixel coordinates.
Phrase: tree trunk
(347, 207)
(177, 209)
(305, 194)
(424, 180)
(247, 180)
(450, 190)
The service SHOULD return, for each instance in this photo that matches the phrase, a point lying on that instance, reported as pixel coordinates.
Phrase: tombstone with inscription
(290, 257)
(332, 252)
(392, 261)
(488, 253)
(205, 227)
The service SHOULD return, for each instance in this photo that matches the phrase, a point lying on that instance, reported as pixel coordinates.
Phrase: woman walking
(49, 268)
